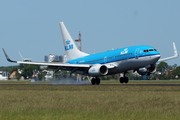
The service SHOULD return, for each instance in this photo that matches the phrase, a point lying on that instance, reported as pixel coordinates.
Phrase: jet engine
(98, 70)
(147, 70)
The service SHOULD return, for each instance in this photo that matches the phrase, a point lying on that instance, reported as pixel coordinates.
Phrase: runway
(143, 84)
(101, 84)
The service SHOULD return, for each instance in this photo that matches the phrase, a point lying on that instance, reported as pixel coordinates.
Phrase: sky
(31, 27)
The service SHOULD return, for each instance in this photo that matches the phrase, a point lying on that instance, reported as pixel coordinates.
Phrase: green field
(105, 101)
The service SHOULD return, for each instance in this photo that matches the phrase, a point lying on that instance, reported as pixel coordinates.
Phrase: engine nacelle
(142, 71)
(147, 71)
(152, 69)
(98, 70)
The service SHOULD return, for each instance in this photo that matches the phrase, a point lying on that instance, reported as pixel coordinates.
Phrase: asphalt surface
(88, 83)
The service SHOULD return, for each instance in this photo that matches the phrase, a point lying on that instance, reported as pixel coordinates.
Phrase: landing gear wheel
(93, 81)
(121, 80)
(97, 81)
(126, 80)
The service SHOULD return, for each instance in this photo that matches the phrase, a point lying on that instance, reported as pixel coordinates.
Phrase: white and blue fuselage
(129, 58)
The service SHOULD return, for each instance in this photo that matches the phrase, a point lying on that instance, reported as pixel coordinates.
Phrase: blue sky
(32, 27)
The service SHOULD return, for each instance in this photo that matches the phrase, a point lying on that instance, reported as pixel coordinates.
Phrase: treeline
(7, 69)
(165, 71)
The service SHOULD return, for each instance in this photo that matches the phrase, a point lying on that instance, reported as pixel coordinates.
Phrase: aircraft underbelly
(129, 64)
(135, 63)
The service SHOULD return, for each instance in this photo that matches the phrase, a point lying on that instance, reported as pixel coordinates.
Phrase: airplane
(140, 58)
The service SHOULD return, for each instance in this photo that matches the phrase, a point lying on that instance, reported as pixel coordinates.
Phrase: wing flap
(58, 64)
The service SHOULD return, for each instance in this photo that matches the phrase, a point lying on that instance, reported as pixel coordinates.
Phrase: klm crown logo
(68, 45)
(93, 70)
(68, 41)
(124, 51)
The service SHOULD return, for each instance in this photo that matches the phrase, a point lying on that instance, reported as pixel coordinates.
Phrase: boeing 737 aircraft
(138, 58)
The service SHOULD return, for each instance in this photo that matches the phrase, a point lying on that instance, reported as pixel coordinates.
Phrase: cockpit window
(150, 50)
(145, 50)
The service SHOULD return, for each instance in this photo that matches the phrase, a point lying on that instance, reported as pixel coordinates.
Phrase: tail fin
(70, 47)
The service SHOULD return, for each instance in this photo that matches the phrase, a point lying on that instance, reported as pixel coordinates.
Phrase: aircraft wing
(65, 66)
(168, 58)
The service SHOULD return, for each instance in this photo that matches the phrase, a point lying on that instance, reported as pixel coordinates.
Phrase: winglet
(21, 56)
(175, 54)
(7, 57)
(175, 50)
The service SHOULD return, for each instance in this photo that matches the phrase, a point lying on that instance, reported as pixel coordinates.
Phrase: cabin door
(137, 53)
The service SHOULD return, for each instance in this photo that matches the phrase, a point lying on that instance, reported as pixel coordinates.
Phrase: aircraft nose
(155, 58)
(158, 57)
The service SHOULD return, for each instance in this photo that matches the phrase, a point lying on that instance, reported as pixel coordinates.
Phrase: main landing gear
(95, 81)
(124, 79)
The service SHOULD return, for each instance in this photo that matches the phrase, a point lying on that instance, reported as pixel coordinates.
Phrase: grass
(89, 102)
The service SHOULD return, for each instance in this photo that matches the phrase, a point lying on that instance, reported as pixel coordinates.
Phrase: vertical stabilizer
(70, 47)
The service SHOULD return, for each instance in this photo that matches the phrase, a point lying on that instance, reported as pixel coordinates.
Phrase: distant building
(63, 58)
(4, 75)
(13, 75)
(52, 57)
